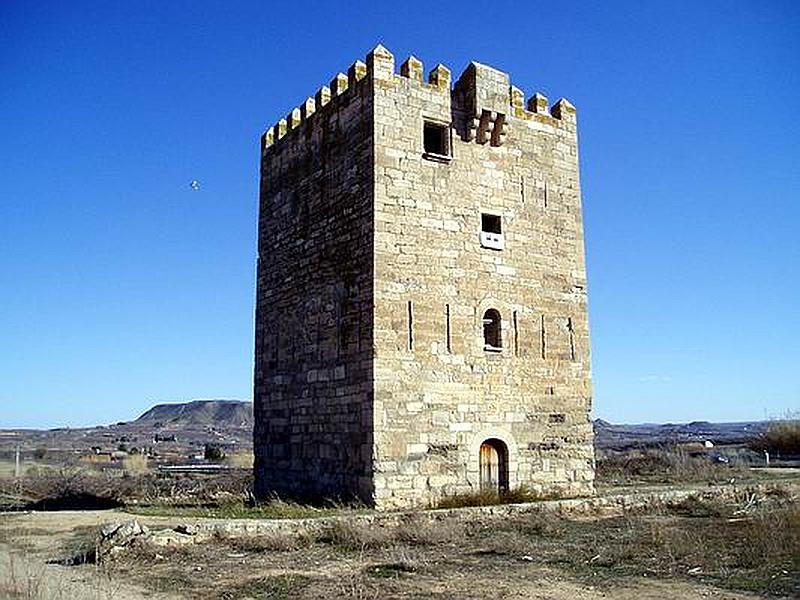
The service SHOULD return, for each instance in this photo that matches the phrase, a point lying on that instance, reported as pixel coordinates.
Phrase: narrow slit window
(571, 331)
(410, 326)
(492, 331)
(544, 339)
(447, 328)
(436, 139)
(516, 335)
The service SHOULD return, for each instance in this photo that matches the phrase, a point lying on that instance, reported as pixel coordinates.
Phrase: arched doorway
(493, 462)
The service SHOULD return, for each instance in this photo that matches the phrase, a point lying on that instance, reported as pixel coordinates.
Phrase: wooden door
(490, 467)
(493, 462)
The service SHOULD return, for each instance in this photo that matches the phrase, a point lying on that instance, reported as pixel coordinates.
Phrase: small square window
(436, 139)
(492, 232)
(491, 223)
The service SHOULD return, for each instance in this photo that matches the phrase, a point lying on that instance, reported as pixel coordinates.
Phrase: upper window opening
(436, 140)
(491, 223)
(492, 334)
(492, 232)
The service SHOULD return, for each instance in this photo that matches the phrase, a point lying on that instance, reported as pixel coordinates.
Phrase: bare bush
(517, 495)
(270, 542)
(668, 463)
(417, 531)
(357, 535)
(771, 534)
(782, 438)
(131, 486)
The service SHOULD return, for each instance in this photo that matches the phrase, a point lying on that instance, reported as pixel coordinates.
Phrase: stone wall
(313, 369)
(438, 393)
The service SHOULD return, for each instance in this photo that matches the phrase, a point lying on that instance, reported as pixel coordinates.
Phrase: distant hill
(200, 413)
(611, 435)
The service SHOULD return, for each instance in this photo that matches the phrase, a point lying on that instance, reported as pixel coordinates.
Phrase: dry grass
(240, 460)
(361, 536)
(268, 542)
(132, 487)
(134, 464)
(751, 543)
(664, 464)
(272, 587)
(492, 497)
(19, 580)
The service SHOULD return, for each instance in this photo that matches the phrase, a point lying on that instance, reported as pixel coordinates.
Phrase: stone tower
(421, 319)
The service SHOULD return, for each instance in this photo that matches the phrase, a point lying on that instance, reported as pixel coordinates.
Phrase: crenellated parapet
(483, 93)
(325, 98)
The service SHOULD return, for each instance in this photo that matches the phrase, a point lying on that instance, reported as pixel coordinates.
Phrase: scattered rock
(188, 529)
(169, 537)
(117, 537)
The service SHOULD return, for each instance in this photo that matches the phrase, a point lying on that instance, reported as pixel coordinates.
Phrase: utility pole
(16, 463)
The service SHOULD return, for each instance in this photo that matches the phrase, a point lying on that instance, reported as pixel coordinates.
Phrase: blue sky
(121, 287)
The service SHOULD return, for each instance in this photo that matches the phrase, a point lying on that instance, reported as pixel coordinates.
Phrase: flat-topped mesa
(484, 93)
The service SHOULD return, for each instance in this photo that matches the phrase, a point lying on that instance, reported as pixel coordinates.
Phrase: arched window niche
(492, 331)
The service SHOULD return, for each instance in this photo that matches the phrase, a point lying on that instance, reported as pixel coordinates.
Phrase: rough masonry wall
(313, 369)
(438, 393)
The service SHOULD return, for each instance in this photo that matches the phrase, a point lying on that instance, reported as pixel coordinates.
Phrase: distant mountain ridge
(200, 413)
(238, 414)
(612, 435)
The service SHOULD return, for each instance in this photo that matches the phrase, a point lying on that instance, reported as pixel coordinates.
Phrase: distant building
(96, 458)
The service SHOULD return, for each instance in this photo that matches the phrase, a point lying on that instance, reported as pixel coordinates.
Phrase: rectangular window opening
(436, 139)
(492, 231)
(491, 223)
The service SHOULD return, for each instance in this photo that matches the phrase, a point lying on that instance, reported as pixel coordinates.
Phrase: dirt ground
(226, 572)
(696, 550)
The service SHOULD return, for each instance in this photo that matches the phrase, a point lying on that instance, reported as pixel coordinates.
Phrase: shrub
(667, 463)
(491, 497)
(213, 452)
(782, 437)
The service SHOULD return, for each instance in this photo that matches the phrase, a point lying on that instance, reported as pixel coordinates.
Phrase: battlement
(421, 323)
(484, 91)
